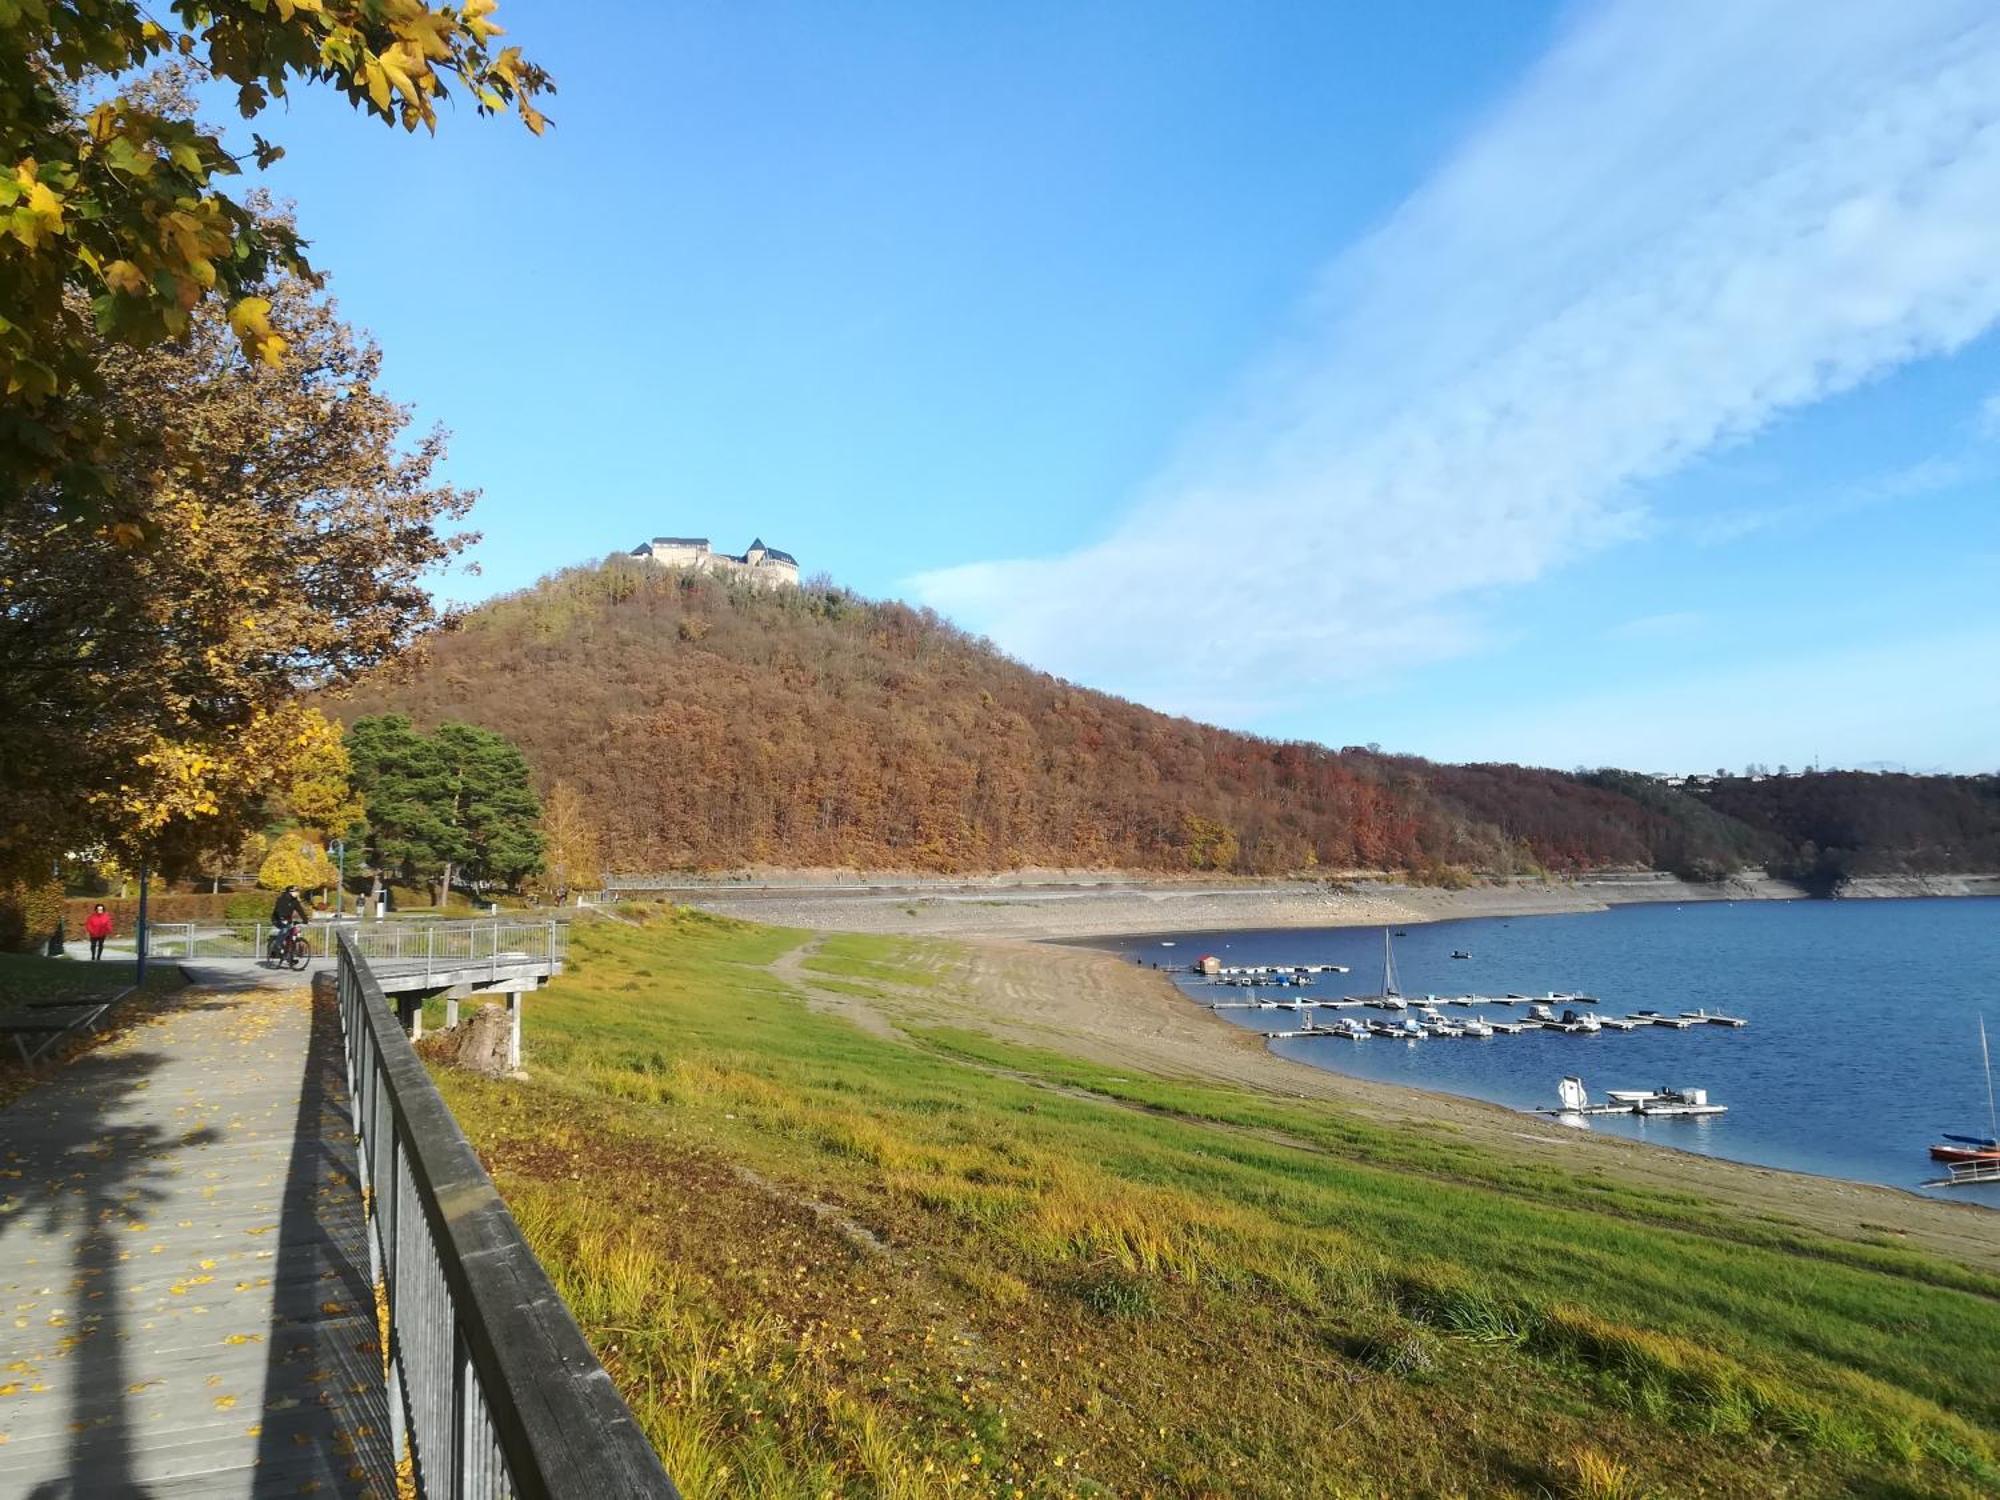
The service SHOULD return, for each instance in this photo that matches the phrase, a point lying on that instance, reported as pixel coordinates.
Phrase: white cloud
(1687, 220)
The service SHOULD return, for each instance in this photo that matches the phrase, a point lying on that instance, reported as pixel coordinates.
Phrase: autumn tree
(149, 683)
(571, 853)
(296, 858)
(319, 793)
(115, 226)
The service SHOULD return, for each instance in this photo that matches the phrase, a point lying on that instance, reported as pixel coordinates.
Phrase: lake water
(1862, 1047)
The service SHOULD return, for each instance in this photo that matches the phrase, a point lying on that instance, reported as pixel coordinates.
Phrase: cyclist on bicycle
(286, 912)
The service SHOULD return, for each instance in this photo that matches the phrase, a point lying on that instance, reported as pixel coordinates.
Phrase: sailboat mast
(1986, 1057)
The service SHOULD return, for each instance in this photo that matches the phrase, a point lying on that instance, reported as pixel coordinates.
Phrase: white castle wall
(756, 566)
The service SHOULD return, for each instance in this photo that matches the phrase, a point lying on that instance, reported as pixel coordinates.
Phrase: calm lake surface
(1862, 1047)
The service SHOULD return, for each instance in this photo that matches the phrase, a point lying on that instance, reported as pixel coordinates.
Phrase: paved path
(184, 1299)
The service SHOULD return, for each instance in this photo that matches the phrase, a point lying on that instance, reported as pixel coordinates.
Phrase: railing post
(492, 1390)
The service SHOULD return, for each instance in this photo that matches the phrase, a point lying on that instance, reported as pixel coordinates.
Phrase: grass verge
(823, 1261)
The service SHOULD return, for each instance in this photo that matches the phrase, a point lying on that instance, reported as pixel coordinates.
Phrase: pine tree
(456, 801)
(494, 806)
(404, 784)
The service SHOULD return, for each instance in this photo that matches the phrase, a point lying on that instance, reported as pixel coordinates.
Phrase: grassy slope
(825, 1261)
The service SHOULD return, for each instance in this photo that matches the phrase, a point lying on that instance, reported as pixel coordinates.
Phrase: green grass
(821, 1261)
(26, 978)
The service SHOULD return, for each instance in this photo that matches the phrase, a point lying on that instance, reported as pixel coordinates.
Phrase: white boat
(1475, 1026)
(1570, 1094)
(1655, 1018)
(1681, 1102)
(1617, 1023)
(1572, 1021)
(1540, 1013)
(1632, 1097)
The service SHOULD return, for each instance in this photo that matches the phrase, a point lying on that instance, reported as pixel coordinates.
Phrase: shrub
(29, 914)
(161, 906)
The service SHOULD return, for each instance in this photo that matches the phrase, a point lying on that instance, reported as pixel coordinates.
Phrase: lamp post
(141, 935)
(338, 849)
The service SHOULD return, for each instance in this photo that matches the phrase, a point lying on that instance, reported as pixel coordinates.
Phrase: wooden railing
(492, 1389)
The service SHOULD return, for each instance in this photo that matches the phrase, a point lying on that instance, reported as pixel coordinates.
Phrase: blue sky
(1579, 384)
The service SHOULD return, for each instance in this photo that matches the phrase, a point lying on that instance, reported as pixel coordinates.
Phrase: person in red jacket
(97, 927)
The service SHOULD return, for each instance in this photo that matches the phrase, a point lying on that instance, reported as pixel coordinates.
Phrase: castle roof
(776, 555)
(680, 541)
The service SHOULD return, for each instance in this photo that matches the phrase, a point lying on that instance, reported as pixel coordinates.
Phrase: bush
(161, 906)
(29, 914)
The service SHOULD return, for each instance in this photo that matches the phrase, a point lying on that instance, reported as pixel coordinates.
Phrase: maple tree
(114, 222)
(150, 682)
(318, 794)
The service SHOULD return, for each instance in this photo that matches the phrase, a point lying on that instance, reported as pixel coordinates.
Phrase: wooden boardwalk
(185, 1307)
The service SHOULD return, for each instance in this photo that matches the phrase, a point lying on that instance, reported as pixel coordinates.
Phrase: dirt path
(1101, 1008)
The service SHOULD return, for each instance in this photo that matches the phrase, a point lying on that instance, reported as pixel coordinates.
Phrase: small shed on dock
(1209, 964)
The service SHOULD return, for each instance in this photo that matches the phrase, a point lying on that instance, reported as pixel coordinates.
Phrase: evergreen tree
(456, 801)
(404, 784)
(493, 809)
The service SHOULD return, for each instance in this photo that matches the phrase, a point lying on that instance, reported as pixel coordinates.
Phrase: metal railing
(431, 945)
(491, 1383)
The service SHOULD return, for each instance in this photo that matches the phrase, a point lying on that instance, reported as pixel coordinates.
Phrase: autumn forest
(709, 726)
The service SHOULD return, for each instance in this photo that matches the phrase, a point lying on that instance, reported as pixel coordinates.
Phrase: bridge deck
(185, 1306)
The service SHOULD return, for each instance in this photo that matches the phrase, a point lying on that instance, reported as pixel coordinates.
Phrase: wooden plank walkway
(185, 1307)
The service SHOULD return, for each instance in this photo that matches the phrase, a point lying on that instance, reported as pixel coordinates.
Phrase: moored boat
(1972, 1150)
(1680, 1102)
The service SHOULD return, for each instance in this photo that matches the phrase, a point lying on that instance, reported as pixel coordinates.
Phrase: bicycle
(289, 949)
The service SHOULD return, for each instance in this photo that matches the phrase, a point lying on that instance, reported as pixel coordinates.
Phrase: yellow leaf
(250, 315)
(123, 276)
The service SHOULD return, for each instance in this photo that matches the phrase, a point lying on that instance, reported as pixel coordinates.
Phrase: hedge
(28, 914)
(161, 906)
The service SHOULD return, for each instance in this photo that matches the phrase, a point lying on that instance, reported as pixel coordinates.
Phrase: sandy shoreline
(1125, 908)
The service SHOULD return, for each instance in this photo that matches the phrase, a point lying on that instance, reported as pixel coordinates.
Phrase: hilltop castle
(764, 566)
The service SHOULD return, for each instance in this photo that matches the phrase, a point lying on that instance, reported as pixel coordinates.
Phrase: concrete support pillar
(450, 1011)
(416, 1005)
(515, 1003)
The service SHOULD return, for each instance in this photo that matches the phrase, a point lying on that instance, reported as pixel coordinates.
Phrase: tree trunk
(444, 889)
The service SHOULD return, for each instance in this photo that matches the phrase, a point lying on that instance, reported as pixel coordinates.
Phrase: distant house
(764, 566)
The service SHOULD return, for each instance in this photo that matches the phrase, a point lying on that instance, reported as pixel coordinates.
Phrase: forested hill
(711, 726)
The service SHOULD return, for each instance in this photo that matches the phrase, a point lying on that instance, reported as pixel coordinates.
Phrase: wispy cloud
(1687, 220)
(1677, 625)
(1927, 476)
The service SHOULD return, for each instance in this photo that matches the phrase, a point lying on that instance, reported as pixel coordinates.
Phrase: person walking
(97, 927)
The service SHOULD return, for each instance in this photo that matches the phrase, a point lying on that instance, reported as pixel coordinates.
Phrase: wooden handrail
(492, 1383)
